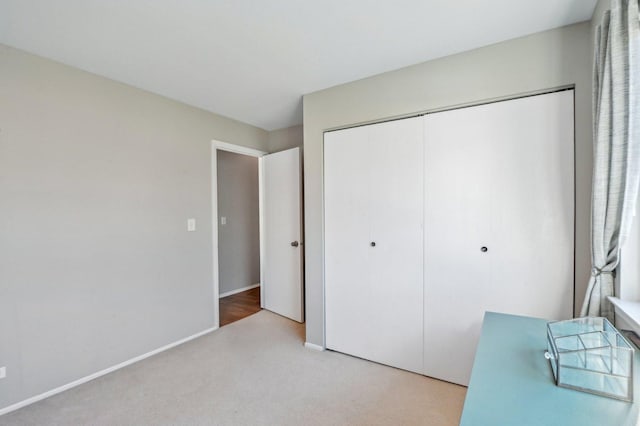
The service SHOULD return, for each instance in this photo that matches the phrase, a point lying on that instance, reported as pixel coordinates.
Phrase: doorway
(238, 235)
(257, 232)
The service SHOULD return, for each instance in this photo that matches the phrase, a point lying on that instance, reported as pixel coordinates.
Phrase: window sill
(627, 314)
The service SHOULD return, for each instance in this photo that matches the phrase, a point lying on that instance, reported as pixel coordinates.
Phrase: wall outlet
(3, 372)
(191, 225)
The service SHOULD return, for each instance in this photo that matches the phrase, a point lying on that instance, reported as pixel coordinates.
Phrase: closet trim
(455, 106)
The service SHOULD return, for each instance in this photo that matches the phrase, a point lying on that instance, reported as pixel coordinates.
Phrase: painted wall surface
(545, 60)
(282, 139)
(97, 181)
(239, 237)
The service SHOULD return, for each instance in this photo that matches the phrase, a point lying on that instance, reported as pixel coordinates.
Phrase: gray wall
(281, 139)
(541, 61)
(239, 238)
(97, 180)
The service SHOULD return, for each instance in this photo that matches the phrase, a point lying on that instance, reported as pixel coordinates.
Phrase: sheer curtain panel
(616, 120)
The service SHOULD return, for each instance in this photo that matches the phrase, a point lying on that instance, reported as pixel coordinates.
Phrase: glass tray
(590, 354)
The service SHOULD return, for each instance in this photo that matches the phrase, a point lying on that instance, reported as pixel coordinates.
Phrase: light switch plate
(223, 220)
(3, 372)
(191, 225)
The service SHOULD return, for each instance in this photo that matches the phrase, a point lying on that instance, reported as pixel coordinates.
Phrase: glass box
(590, 355)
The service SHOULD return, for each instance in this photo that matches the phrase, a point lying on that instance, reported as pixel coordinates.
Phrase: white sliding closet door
(499, 221)
(347, 235)
(373, 242)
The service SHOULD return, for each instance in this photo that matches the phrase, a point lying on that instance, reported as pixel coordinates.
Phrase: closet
(431, 221)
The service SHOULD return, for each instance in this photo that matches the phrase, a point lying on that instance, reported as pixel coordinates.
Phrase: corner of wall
(282, 139)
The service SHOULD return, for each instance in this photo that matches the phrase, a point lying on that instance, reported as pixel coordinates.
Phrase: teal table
(512, 383)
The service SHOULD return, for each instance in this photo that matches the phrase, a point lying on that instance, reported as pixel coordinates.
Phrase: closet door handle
(373, 243)
(483, 249)
(295, 244)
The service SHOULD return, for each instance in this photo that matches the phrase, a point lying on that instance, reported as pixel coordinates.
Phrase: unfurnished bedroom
(319, 213)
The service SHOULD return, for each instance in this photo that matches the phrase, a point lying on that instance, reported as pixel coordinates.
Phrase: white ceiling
(253, 60)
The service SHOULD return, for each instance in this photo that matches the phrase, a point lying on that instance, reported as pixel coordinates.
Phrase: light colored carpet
(253, 372)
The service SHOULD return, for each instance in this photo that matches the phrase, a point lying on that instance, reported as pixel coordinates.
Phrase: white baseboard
(100, 373)
(313, 346)
(238, 290)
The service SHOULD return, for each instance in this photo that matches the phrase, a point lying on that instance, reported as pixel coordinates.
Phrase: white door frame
(237, 149)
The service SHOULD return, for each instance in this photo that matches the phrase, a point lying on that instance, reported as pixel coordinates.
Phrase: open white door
(282, 283)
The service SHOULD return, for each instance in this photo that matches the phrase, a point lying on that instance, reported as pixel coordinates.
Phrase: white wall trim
(238, 149)
(261, 224)
(100, 373)
(214, 232)
(313, 346)
(238, 290)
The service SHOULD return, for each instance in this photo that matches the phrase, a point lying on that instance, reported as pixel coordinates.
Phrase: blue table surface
(512, 382)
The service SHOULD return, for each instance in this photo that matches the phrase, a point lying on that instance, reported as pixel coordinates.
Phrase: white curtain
(616, 108)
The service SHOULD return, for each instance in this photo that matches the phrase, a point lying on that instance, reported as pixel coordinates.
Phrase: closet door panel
(517, 158)
(533, 206)
(457, 213)
(347, 267)
(373, 194)
(396, 176)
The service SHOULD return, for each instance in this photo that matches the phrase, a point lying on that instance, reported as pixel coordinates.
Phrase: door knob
(483, 249)
(294, 244)
(373, 243)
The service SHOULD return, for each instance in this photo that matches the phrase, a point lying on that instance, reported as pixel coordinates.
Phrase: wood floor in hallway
(239, 305)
